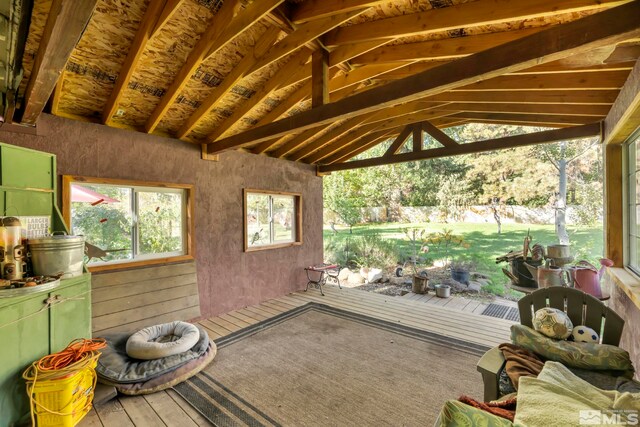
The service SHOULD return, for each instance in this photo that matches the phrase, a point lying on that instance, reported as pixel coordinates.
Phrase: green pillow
(458, 414)
(553, 323)
(584, 355)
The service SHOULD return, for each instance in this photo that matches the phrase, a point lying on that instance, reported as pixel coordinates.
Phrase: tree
(561, 156)
(342, 196)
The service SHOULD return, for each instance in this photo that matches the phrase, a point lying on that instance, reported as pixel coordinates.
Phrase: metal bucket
(443, 291)
(58, 253)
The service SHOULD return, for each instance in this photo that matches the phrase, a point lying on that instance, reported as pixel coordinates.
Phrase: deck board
(453, 317)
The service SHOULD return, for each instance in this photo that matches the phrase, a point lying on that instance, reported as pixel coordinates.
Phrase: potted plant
(417, 240)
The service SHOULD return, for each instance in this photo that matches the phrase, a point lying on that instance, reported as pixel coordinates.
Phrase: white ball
(584, 334)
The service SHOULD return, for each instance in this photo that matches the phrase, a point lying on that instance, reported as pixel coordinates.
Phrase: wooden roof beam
(553, 43)
(320, 78)
(534, 119)
(438, 135)
(316, 149)
(317, 9)
(472, 14)
(63, 29)
(552, 97)
(397, 143)
(544, 137)
(353, 143)
(624, 117)
(295, 142)
(224, 28)
(155, 17)
(546, 109)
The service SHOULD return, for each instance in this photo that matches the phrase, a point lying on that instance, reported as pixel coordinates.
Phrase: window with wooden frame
(272, 219)
(632, 185)
(130, 223)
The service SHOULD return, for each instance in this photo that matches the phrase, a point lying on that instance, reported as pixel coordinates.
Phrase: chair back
(582, 309)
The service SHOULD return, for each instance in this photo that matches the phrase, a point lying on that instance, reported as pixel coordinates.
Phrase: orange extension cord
(78, 355)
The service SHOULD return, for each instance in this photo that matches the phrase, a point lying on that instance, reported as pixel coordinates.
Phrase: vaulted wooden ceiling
(320, 81)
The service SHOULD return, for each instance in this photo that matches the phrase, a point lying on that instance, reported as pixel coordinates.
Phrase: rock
(455, 285)
(355, 279)
(477, 275)
(344, 274)
(374, 275)
(399, 281)
(364, 271)
(474, 287)
(483, 282)
(385, 278)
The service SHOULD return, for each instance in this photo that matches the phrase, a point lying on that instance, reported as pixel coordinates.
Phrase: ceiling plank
(230, 80)
(267, 89)
(576, 132)
(63, 29)
(438, 135)
(398, 142)
(604, 28)
(624, 117)
(224, 28)
(473, 14)
(442, 49)
(157, 14)
(316, 9)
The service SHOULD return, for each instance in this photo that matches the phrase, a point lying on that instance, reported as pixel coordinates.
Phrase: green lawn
(485, 244)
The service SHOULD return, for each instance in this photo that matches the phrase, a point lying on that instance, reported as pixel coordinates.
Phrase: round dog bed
(136, 376)
(163, 340)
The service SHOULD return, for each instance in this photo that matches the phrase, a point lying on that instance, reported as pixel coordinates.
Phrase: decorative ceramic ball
(553, 323)
(584, 334)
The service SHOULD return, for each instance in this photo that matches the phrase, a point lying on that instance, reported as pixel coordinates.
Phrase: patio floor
(169, 409)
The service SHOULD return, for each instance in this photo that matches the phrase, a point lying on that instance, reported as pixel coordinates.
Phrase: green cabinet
(45, 322)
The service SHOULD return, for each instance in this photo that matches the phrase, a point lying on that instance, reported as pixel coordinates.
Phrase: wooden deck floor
(169, 409)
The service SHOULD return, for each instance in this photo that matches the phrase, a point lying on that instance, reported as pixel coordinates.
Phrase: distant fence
(474, 214)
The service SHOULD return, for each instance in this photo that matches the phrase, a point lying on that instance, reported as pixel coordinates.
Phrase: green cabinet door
(24, 334)
(23, 168)
(28, 203)
(71, 313)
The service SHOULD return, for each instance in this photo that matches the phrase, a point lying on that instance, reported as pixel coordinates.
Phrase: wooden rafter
(316, 9)
(570, 133)
(545, 109)
(267, 89)
(624, 117)
(295, 142)
(397, 143)
(328, 145)
(472, 14)
(594, 97)
(438, 135)
(443, 49)
(567, 81)
(156, 16)
(417, 139)
(533, 119)
(233, 78)
(320, 78)
(220, 32)
(65, 24)
(357, 146)
(601, 29)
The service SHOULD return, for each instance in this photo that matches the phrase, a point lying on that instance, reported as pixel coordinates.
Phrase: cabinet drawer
(26, 169)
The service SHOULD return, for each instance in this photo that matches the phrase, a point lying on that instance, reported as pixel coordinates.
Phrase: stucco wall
(228, 278)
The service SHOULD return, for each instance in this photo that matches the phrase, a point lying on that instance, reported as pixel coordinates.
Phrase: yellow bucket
(64, 401)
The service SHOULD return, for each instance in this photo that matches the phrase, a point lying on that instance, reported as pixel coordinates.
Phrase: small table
(317, 275)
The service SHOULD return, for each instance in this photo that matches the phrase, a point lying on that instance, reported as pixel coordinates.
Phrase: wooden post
(613, 202)
(418, 137)
(319, 78)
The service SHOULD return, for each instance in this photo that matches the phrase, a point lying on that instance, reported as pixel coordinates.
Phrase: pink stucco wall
(228, 278)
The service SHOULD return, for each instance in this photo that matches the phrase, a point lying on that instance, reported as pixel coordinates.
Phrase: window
(633, 202)
(129, 222)
(272, 219)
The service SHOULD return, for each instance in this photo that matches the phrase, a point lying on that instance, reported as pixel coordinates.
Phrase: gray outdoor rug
(317, 365)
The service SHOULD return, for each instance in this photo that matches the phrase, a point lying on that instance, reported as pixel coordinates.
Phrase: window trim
(626, 216)
(297, 205)
(189, 199)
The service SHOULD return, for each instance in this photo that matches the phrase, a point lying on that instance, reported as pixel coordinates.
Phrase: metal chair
(582, 309)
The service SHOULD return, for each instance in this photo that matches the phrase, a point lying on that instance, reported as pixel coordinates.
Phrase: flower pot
(420, 285)
(461, 276)
(443, 291)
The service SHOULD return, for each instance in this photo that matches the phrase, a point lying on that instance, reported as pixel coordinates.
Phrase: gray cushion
(116, 366)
